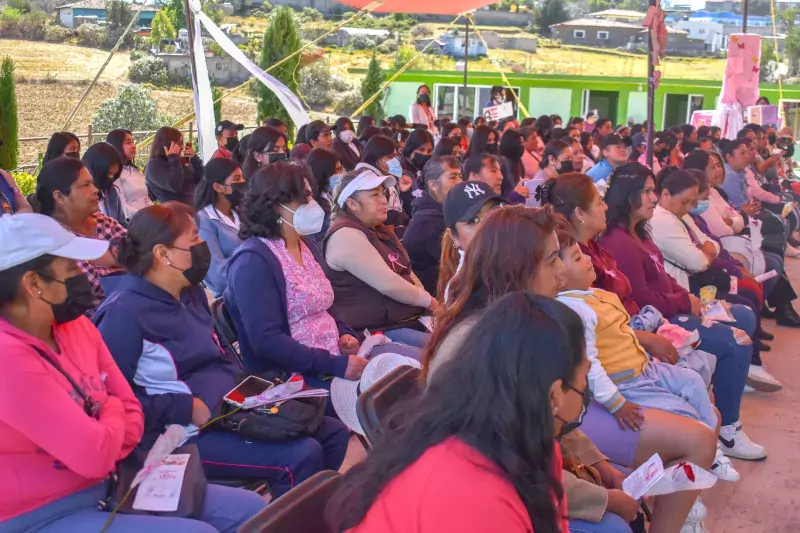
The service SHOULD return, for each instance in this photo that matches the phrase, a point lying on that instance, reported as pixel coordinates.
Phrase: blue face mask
(702, 207)
(395, 168)
(334, 181)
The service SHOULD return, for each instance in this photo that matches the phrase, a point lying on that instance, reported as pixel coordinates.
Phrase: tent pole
(651, 96)
(464, 110)
(190, 29)
(744, 15)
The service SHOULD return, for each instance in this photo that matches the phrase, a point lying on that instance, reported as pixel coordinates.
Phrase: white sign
(161, 489)
(498, 112)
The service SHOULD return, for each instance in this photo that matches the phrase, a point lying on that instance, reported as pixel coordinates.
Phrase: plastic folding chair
(376, 402)
(301, 510)
(223, 324)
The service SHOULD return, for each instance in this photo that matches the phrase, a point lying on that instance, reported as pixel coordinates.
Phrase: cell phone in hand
(250, 386)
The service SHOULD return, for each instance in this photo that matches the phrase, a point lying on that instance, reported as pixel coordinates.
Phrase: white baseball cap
(26, 236)
(345, 393)
(366, 181)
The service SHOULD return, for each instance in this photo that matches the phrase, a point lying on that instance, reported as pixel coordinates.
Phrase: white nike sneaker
(735, 443)
(693, 527)
(761, 380)
(723, 468)
(791, 252)
(694, 520)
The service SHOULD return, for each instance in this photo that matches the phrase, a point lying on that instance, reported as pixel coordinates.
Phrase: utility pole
(744, 15)
(464, 110)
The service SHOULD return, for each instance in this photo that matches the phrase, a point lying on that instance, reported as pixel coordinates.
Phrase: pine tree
(548, 13)
(9, 127)
(372, 83)
(216, 94)
(280, 40)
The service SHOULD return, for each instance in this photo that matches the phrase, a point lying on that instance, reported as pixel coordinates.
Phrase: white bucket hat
(345, 393)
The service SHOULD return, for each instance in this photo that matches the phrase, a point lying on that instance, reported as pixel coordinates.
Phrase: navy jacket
(256, 300)
(167, 350)
(423, 240)
(170, 180)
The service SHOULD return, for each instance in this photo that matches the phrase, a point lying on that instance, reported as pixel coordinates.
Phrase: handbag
(193, 490)
(288, 420)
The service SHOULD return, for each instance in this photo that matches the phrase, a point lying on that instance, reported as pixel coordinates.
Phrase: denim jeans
(610, 523)
(225, 509)
(733, 359)
(409, 336)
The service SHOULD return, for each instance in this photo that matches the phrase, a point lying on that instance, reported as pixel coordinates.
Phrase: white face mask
(308, 218)
(346, 136)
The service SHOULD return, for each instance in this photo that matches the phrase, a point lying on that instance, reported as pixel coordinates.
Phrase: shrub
(91, 35)
(362, 42)
(315, 83)
(53, 33)
(347, 103)
(133, 108)
(387, 47)
(136, 55)
(421, 31)
(309, 14)
(25, 182)
(9, 123)
(15, 24)
(149, 69)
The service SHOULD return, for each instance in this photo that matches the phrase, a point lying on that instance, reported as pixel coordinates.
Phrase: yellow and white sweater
(611, 344)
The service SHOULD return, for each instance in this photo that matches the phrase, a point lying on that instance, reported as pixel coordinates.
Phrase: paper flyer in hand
(285, 391)
(161, 489)
(643, 478)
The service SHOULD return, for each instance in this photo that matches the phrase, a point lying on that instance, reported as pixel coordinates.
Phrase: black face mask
(231, 143)
(491, 148)
(73, 155)
(790, 150)
(424, 99)
(628, 140)
(566, 167)
(201, 262)
(456, 140)
(80, 298)
(572, 425)
(237, 193)
(419, 160)
(773, 138)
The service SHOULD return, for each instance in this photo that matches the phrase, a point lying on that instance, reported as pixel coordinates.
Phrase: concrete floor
(767, 498)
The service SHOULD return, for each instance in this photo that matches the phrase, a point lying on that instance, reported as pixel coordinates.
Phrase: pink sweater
(453, 487)
(49, 447)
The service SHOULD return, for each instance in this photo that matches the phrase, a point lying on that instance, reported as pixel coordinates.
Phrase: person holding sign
(421, 112)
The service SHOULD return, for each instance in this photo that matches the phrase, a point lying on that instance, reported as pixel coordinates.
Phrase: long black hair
(415, 141)
(624, 196)
(510, 146)
(363, 123)
(479, 140)
(322, 164)
(98, 160)
(553, 148)
(262, 139)
(57, 143)
(283, 182)
(153, 225)
(116, 138)
(493, 397)
(377, 148)
(215, 171)
(56, 175)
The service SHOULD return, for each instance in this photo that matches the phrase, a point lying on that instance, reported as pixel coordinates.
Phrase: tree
(372, 83)
(792, 48)
(280, 40)
(133, 109)
(174, 10)
(548, 13)
(765, 73)
(162, 28)
(216, 94)
(9, 125)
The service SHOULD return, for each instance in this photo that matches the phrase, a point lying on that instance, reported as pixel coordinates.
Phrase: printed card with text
(643, 478)
(161, 489)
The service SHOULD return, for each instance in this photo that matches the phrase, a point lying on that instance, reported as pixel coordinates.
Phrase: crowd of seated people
(469, 242)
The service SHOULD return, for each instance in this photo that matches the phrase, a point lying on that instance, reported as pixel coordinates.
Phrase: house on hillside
(94, 12)
(620, 15)
(343, 36)
(614, 34)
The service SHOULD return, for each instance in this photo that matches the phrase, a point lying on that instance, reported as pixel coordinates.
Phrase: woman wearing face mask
(511, 151)
(104, 164)
(371, 274)
(453, 465)
(62, 143)
(347, 149)
(557, 159)
(483, 141)
(416, 152)
(497, 96)
(159, 330)
(326, 174)
(381, 156)
(299, 331)
(44, 338)
(131, 184)
(265, 146)
(66, 192)
(422, 112)
(218, 197)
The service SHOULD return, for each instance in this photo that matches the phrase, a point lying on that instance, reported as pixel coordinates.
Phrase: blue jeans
(733, 359)
(610, 523)
(282, 464)
(409, 336)
(225, 509)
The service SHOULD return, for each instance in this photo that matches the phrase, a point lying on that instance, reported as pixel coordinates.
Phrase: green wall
(548, 93)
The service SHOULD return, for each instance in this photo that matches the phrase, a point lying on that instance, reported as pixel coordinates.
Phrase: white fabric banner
(289, 100)
(203, 99)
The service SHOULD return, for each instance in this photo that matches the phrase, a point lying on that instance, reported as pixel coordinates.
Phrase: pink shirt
(309, 295)
(49, 447)
(531, 163)
(453, 487)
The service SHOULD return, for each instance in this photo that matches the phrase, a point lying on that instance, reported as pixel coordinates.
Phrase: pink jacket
(49, 447)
